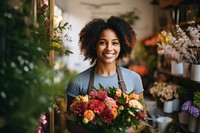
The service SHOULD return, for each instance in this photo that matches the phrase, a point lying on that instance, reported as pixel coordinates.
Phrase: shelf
(169, 3)
(179, 79)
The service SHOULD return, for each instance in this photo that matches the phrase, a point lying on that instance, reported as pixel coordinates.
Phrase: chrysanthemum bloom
(89, 115)
(135, 104)
(78, 108)
(98, 94)
(107, 115)
(110, 102)
(134, 96)
(96, 106)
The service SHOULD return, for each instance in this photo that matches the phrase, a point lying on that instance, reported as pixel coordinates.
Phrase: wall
(78, 15)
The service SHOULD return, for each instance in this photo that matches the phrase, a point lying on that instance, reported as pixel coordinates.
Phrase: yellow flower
(55, 44)
(85, 98)
(82, 98)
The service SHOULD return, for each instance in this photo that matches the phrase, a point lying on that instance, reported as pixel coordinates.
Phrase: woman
(105, 43)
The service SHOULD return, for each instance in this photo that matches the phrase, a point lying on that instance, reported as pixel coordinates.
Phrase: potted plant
(166, 93)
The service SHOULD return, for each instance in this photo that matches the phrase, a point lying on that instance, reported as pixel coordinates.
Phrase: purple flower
(194, 111)
(186, 105)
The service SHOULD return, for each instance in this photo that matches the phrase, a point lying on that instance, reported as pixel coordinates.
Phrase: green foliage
(131, 17)
(196, 99)
(26, 79)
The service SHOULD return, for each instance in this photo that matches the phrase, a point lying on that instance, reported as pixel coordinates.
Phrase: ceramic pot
(168, 106)
(184, 117)
(176, 68)
(192, 124)
(195, 72)
(176, 104)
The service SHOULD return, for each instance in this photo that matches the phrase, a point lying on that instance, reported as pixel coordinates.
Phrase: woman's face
(108, 47)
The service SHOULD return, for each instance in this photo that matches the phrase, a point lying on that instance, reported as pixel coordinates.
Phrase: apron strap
(119, 74)
(91, 82)
(120, 79)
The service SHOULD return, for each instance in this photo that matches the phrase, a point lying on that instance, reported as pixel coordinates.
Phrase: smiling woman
(104, 43)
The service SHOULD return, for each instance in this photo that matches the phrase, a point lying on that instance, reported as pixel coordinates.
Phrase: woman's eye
(115, 43)
(102, 42)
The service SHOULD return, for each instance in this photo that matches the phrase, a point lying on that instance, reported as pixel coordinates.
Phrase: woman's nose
(109, 46)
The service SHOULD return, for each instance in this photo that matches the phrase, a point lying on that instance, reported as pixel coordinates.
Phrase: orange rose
(114, 112)
(134, 96)
(89, 114)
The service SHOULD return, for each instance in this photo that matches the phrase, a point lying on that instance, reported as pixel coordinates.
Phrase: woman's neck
(105, 69)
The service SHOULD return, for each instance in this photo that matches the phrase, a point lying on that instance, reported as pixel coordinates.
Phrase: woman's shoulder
(128, 72)
(84, 74)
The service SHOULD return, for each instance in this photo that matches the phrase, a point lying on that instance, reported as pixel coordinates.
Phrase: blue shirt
(80, 83)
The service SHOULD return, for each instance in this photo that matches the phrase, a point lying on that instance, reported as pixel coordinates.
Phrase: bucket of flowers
(107, 110)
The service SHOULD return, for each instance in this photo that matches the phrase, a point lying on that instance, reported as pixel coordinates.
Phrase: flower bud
(85, 120)
(121, 108)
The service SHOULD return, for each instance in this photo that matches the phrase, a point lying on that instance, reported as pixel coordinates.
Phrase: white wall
(78, 15)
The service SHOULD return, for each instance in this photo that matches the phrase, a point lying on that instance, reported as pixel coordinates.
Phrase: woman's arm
(74, 128)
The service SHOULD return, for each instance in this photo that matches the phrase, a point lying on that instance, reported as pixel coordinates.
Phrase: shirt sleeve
(73, 87)
(139, 86)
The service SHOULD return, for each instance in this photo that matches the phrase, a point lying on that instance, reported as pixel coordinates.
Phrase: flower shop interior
(40, 54)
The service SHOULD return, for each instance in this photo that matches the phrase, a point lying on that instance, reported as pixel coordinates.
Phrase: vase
(184, 117)
(168, 106)
(198, 126)
(192, 124)
(176, 104)
(163, 123)
(176, 68)
(186, 69)
(195, 72)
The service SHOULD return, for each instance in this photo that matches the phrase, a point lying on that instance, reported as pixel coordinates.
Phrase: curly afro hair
(90, 34)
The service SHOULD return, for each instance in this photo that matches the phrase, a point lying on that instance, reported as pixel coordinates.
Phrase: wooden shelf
(169, 3)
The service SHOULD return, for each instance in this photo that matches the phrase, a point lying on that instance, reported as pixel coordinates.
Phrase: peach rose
(89, 115)
(118, 92)
(135, 104)
(134, 96)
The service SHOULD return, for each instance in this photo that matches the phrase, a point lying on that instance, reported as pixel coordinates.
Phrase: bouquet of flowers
(164, 91)
(107, 111)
